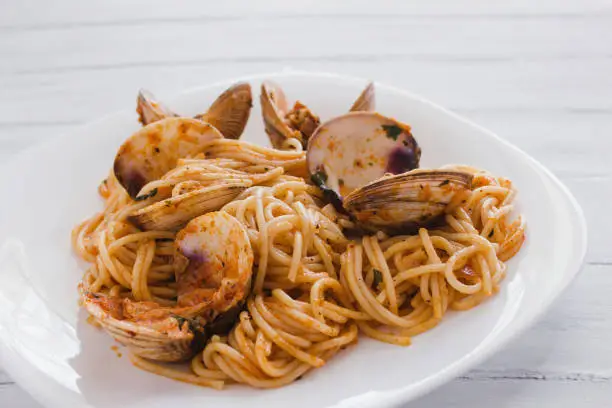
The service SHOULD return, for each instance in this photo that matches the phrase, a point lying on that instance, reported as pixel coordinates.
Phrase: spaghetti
(315, 287)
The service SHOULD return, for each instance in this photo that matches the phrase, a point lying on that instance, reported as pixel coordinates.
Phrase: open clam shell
(366, 100)
(299, 122)
(409, 200)
(230, 112)
(274, 108)
(153, 150)
(150, 110)
(354, 149)
(173, 213)
(153, 333)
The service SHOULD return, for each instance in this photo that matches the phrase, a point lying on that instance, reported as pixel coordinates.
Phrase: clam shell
(354, 149)
(409, 200)
(155, 149)
(230, 112)
(163, 339)
(274, 107)
(366, 100)
(173, 213)
(150, 110)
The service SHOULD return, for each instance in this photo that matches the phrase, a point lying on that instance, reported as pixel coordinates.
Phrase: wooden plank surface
(537, 73)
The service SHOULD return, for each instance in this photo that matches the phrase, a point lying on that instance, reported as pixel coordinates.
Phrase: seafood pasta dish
(218, 261)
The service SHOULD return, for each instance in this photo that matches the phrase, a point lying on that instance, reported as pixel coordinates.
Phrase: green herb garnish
(180, 319)
(319, 178)
(445, 182)
(377, 277)
(150, 194)
(393, 131)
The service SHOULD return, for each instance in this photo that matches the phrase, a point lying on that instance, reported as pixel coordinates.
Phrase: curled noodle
(315, 287)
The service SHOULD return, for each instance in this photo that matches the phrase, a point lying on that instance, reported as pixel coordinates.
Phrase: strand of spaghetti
(263, 244)
(138, 236)
(376, 254)
(432, 257)
(311, 323)
(370, 331)
(282, 323)
(174, 374)
(305, 223)
(144, 257)
(326, 256)
(231, 354)
(267, 366)
(297, 256)
(452, 279)
(254, 307)
(365, 298)
(418, 271)
(197, 366)
(108, 262)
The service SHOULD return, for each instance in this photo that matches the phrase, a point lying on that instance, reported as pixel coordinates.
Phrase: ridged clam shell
(274, 107)
(166, 340)
(150, 110)
(366, 100)
(230, 112)
(173, 213)
(409, 200)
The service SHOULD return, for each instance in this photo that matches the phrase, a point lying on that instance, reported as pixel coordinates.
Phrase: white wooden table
(538, 73)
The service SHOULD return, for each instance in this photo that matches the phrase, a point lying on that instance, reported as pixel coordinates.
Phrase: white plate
(64, 362)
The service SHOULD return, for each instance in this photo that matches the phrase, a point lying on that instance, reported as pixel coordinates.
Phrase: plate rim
(451, 371)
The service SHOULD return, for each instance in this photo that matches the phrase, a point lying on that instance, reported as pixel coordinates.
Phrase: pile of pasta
(317, 284)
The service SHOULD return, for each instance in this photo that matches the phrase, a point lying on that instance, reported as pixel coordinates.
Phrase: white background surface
(539, 75)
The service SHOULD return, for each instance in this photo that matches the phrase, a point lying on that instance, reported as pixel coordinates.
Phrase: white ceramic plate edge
(479, 354)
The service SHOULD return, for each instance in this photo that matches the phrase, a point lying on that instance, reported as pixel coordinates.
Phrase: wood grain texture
(537, 73)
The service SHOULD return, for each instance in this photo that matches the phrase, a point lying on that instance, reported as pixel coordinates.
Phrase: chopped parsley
(393, 131)
(377, 277)
(150, 194)
(180, 320)
(445, 182)
(319, 178)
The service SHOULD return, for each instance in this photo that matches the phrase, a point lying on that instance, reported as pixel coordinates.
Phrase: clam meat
(283, 124)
